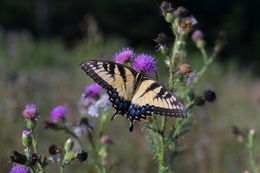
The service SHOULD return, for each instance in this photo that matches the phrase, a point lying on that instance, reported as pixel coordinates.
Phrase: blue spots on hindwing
(122, 106)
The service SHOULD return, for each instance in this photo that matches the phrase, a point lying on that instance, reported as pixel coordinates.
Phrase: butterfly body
(133, 94)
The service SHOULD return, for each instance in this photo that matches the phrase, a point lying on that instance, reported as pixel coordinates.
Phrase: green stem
(31, 169)
(27, 152)
(62, 168)
(204, 54)
(34, 142)
(68, 131)
(204, 68)
(155, 122)
(162, 139)
(90, 138)
(252, 162)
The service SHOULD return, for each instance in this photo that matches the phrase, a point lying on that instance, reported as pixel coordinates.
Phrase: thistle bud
(197, 35)
(26, 138)
(169, 17)
(191, 95)
(82, 156)
(31, 123)
(53, 149)
(199, 101)
(17, 157)
(251, 136)
(68, 145)
(209, 95)
(200, 44)
(106, 140)
(180, 77)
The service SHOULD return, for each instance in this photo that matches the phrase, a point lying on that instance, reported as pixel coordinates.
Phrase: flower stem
(34, 142)
(68, 131)
(252, 162)
(61, 168)
(162, 153)
(204, 54)
(204, 68)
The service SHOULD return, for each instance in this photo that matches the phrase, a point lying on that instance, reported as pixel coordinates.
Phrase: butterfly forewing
(111, 75)
(153, 93)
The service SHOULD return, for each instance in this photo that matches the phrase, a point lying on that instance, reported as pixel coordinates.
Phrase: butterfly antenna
(131, 127)
(114, 116)
(156, 75)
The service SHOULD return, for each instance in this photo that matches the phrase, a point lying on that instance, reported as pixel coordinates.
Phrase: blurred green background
(42, 42)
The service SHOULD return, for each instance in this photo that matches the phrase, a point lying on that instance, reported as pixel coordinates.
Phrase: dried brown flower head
(54, 149)
(50, 125)
(185, 69)
(240, 137)
(166, 8)
(34, 158)
(181, 12)
(82, 156)
(161, 40)
(17, 157)
(187, 24)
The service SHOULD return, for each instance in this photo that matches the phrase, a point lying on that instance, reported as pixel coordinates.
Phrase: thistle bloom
(58, 112)
(30, 111)
(106, 140)
(26, 133)
(103, 103)
(20, 169)
(92, 91)
(145, 63)
(197, 35)
(125, 55)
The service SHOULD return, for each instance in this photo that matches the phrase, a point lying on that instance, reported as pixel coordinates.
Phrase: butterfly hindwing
(159, 98)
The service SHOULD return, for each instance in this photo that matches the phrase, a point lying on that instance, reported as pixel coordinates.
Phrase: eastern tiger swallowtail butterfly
(132, 93)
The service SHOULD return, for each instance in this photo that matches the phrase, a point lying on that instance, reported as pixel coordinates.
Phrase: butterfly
(133, 93)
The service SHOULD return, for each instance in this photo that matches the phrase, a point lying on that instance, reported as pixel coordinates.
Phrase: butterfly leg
(114, 116)
(131, 127)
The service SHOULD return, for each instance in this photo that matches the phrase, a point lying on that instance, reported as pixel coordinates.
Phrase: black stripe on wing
(174, 106)
(103, 71)
(87, 66)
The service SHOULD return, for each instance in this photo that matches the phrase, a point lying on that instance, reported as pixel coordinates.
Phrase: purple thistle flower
(145, 63)
(30, 111)
(26, 133)
(92, 91)
(106, 140)
(124, 55)
(58, 112)
(20, 169)
(197, 35)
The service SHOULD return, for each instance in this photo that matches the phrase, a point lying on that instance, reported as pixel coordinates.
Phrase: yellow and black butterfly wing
(156, 98)
(111, 76)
